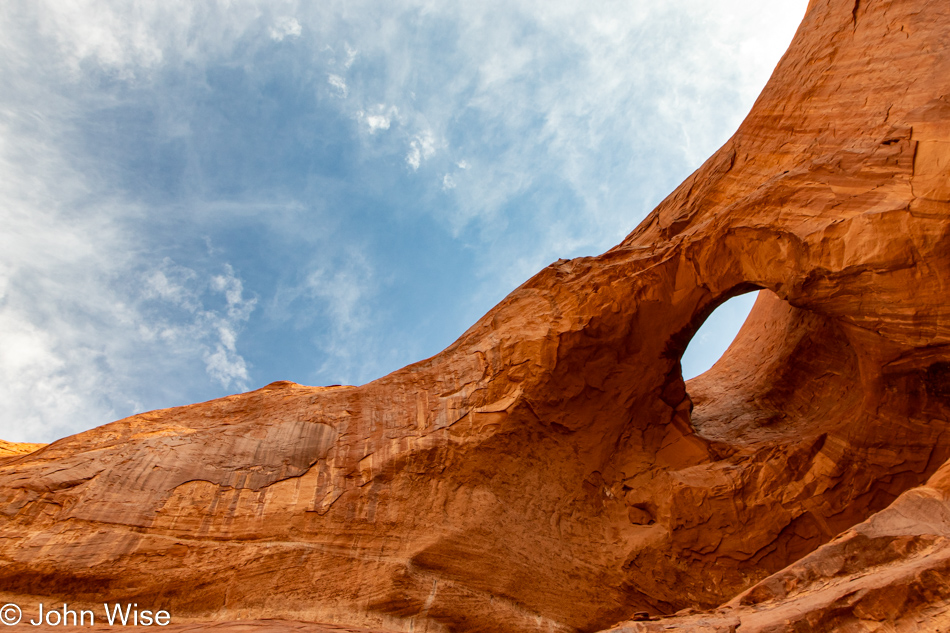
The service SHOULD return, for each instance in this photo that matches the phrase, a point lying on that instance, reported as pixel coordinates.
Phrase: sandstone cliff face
(8, 449)
(549, 471)
(889, 573)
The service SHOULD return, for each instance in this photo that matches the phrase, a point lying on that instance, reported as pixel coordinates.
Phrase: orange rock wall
(548, 471)
(8, 449)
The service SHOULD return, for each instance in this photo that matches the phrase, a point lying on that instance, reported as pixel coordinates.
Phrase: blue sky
(199, 198)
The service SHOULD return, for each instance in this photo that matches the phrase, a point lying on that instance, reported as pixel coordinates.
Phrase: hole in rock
(790, 403)
(768, 371)
(716, 334)
(790, 384)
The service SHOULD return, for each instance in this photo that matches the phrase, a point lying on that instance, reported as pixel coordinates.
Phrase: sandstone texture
(8, 449)
(550, 470)
(224, 626)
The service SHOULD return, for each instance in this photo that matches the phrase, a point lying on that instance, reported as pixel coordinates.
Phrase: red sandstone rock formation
(17, 448)
(548, 471)
(889, 573)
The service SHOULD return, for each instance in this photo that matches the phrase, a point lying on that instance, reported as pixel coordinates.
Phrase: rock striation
(8, 449)
(550, 470)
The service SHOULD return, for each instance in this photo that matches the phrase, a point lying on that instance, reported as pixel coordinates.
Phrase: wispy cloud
(339, 83)
(171, 179)
(379, 117)
(175, 309)
(616, 102)
(421, 147)
(58, 256)
(343, 291)
(285, 27)
(351, 55)
(377, 122)
(83, 333)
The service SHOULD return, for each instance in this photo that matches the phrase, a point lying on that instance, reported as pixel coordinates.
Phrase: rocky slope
(8, 449)
(550, 470)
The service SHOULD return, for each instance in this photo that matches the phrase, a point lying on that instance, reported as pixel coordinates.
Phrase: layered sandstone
(549, 471)
(8, 449)
(889, 573)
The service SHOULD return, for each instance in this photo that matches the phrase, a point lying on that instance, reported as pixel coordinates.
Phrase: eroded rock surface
(548, 471)
(889, 573)
(10, 449)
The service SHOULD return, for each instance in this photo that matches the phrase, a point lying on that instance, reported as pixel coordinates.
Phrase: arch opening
(716, 334)
(795, 389)
(786, 372)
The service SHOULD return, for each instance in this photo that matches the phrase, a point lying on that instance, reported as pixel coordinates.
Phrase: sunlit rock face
(550, 470)
(8, 449)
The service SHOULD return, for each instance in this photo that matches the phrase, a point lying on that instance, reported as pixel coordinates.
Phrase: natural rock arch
(543, 472)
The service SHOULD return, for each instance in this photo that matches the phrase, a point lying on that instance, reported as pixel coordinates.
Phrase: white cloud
(610, 104)
(377, 122)
(115, 36)
(169, 283)
(421, 147)
(285, 27)
(378, 117)
(602, 104)
(88, 330)
(351, 55)
(343, 289)
(212, 331)
(225, 364)
(233, 289)
(55, 257)
(616, 102)
(337, 82)
(227, 367)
